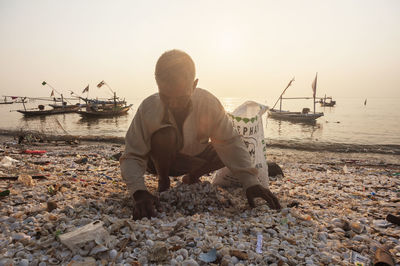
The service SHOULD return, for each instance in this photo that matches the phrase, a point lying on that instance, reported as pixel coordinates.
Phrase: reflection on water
(282, 128)
(348, 122)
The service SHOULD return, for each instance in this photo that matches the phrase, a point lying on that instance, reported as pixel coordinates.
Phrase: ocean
(349, 122)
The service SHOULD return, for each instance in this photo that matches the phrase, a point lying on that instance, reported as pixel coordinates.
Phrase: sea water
(350, 121)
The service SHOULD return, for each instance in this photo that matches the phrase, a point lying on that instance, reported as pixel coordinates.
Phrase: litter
(259, 243)
(91, 232)
(7, 161)
(208, 257)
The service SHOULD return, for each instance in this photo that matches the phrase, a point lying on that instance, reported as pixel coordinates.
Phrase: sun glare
(228, 43)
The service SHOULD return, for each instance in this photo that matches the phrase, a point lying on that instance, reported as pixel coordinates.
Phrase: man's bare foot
(187, 179)
(163, 184)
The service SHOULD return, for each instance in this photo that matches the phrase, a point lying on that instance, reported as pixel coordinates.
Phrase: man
(183, 130)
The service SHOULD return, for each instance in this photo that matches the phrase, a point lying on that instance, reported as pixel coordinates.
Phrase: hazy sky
(241, 48)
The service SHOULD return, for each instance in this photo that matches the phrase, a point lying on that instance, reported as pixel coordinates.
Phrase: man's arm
(134, 159)
(230, 146)
(234, 154)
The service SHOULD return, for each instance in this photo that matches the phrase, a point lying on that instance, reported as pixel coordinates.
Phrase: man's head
(175, 75)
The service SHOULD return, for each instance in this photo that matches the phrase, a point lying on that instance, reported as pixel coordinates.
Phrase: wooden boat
(58, 106)
(303, 116)
(95, 111)
(327, 102)
(6, 102)
(40, 111)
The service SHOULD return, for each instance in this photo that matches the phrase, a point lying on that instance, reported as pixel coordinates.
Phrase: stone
(159, 252)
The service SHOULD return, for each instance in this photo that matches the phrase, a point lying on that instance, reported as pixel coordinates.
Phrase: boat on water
(305, 116)
(65, 105)
(96, 112)
(41, 111)
(95, 108)
(6, 102)
(327, 102)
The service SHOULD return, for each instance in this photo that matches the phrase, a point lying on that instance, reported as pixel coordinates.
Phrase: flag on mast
(86, 89)
(52, 93)
(100, 84)
(44, 83)
(314, 85)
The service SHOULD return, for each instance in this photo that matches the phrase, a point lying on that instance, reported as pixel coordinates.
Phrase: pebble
(23, 262)
(190, 262)
(113, 254)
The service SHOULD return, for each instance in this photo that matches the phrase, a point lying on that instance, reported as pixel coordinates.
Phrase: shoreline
(393, 149)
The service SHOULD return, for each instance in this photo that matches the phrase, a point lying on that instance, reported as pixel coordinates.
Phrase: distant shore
(393, 149)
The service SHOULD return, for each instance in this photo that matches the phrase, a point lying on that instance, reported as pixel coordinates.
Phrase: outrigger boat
(40, 111)
(6, 102)
(304, 116)
(107, 112)
(105, 108)
(96, 108)
(327, 102)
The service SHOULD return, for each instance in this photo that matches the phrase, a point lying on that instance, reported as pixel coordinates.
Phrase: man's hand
(145, 204)
(259, 191)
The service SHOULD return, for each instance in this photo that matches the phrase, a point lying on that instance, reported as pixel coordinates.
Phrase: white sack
(247, 120)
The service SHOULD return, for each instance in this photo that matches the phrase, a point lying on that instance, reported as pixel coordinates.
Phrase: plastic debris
(7, 161)
(259, 243)
(4, 193)
(208, 257)
(92, 231)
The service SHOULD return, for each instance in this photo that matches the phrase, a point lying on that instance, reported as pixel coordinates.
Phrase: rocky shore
(64, 203)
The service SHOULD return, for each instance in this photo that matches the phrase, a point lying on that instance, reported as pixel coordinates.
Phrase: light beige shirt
(207, 120)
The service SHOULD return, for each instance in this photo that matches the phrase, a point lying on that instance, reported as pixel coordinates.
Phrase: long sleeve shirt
(206, 121)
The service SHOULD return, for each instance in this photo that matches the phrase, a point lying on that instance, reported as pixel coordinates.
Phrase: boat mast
(314, 88)
(280, 97)
(23, 103)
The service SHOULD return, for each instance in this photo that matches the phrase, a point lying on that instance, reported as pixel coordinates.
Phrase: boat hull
(105, 113)
(49, 112)
(294, 116)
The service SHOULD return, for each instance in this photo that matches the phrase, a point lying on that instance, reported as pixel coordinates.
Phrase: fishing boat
(41, 111)
(98, 111)
(305, 116)
(6, 102)
(327, 102)
(108, 108)
(96, 108)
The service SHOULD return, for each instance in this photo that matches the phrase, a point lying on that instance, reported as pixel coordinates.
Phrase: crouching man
(183, 130)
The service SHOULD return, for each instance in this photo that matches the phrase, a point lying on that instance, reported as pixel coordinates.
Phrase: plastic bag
(7, 161)
(247, 120)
